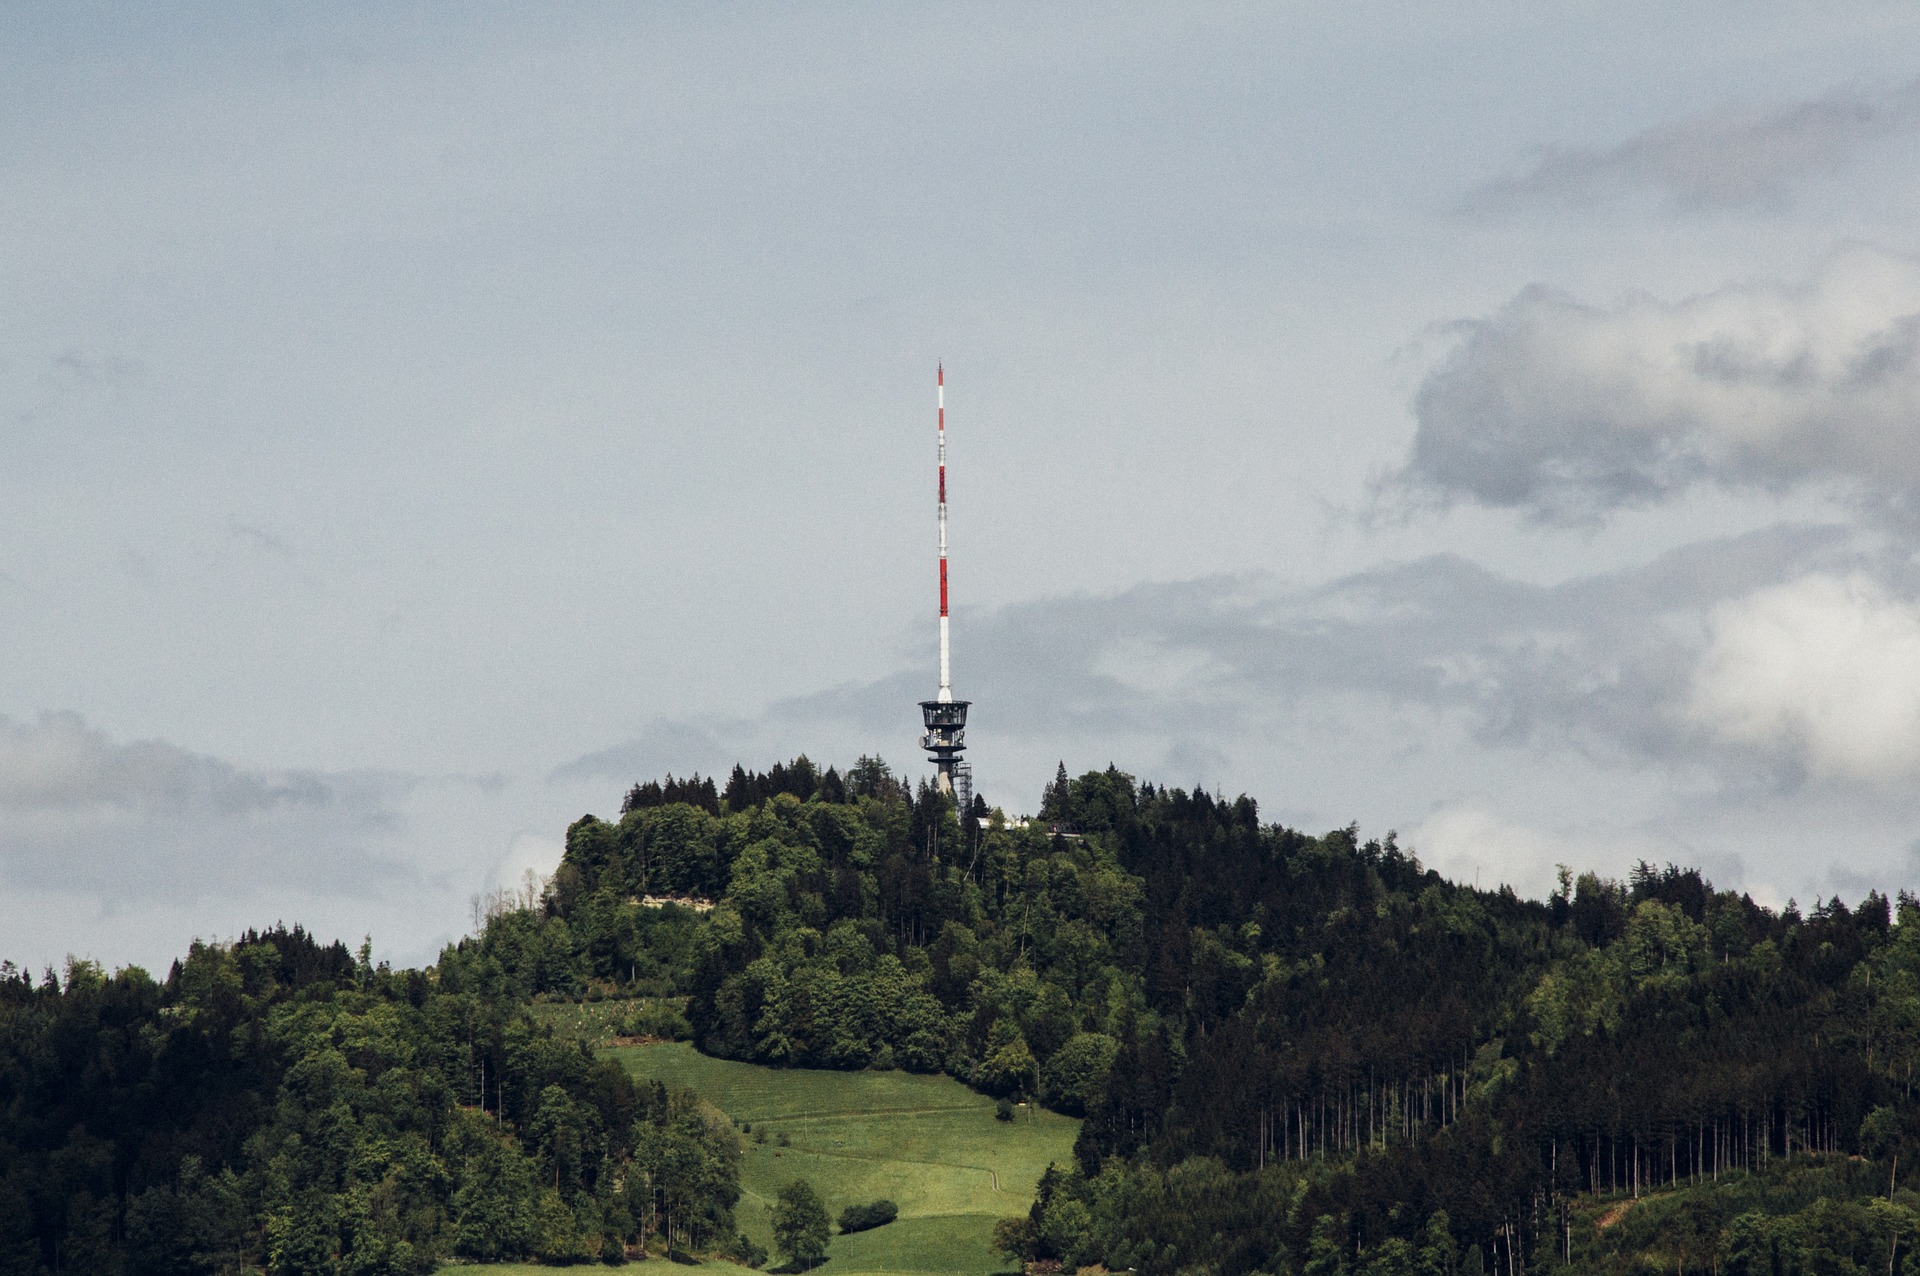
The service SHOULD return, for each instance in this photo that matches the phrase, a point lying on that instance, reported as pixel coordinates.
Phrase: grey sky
(1737, 156)
(417, 424)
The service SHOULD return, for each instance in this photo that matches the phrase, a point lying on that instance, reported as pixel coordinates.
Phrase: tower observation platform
(946, 737)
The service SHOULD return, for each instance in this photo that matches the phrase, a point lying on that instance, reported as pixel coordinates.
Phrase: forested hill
(1294, 1053)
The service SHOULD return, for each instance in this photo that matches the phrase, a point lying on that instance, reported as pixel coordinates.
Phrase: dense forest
(1293, 1053)
(282, 1105)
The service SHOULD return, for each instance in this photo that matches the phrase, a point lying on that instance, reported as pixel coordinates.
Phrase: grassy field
(927, 1143)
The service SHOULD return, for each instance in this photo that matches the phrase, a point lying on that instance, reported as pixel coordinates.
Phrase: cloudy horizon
(416, 427)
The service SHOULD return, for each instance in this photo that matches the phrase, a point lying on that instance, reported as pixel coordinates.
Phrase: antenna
(945, 717)
(940, 398)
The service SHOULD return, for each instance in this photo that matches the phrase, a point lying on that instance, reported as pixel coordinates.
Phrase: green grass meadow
(927, 1143)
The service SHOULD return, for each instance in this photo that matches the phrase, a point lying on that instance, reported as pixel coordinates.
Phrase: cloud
(1192, 675)
(62, 764)
(82, 812)
(259, 538)
(1502, 725)
(526, 853)
(1730, 158)
(1824, 670)
(664, 745)
(1472, 841)
(1569, 411)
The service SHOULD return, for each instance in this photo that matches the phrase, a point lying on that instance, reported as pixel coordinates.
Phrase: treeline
(747, 789)
(1293, 1053)
(281, 1105)
(1289, 1049)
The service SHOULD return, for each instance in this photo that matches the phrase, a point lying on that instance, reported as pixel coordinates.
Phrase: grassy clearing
(927, 1143)
(597, 1022)
(536, 1269)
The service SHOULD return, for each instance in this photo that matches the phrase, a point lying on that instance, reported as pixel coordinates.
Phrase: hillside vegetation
(1293, 1053)
(927, 1143)
(1297, 1052)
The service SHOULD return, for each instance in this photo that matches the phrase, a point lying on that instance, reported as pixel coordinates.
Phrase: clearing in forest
(927, 1143)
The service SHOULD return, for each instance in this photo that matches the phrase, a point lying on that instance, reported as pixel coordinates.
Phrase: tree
(871, 777)
(1439, 1254)
(1055, 797)
(861, 1218)
(1016, 1236)
(1009, 1067)
(1880, 1139)
(1075, 1078)
(800, 1225)
(1326, 1255)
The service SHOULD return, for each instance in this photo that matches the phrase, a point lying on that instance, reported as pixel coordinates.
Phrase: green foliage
(800, 1225)
(1009, 1067)
(1075, 1079)
(1292, 1052)
(862, 1218)
(658, 1020)
(684, 1179)
(746, 1251)
(929, 1144)
(277, 1104)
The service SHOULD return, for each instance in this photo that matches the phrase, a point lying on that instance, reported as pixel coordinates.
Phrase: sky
(1495, 423)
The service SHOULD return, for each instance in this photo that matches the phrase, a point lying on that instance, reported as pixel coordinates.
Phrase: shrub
(660, 1019)
(1003, 1110)
(743, 1249)
(859, 1218)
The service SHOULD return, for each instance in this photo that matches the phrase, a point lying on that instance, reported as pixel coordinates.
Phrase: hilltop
(1290, 1052)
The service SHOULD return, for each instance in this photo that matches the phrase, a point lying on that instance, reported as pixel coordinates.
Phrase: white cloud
(526, 853)
(1569, 411)
(1473, 842)
(1823, 670)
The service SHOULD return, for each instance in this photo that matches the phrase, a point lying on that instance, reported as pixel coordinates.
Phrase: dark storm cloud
(80, 811)
(1569, 411)
(1732, 158)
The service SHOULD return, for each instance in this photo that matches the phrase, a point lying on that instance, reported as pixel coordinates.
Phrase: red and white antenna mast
(945, 717)
(940, 397)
